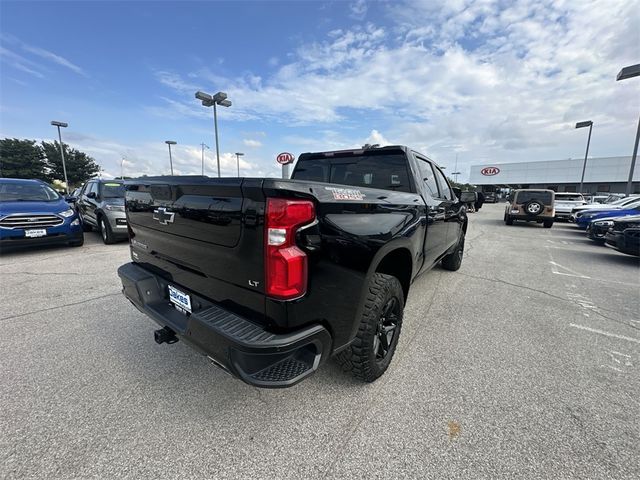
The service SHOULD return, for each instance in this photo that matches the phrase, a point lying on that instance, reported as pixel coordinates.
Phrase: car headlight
(604, 223)
(67, 213)
(114, 208)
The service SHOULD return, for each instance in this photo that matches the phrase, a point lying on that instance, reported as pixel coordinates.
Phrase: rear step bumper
(246, 350)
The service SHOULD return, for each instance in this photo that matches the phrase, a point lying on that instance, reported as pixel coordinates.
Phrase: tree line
(23, 158)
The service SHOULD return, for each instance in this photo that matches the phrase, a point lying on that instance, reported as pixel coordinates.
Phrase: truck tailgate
(203, 234)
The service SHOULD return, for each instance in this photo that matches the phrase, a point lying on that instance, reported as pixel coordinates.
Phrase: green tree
(80, 166)
(21, 159)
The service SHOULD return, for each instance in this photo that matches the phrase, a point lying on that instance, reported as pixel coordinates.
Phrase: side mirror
(91, 195)
(457, 191)
(71, 199)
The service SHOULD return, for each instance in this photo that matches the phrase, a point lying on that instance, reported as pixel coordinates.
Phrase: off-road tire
(453, 261)
(547, 223)
(360, 357)
(105, 231)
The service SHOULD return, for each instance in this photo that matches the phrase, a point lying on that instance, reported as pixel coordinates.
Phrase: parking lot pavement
(523, 364)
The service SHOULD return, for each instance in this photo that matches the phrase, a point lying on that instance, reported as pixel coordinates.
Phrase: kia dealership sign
(285, 158)
(490, 171)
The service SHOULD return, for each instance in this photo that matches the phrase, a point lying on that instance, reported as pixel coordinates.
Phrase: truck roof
(363, 150)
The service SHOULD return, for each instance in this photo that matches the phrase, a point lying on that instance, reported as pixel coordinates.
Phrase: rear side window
(387, 172)
(525, 196)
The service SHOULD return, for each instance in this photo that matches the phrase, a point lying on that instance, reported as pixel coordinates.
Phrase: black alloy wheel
(387, 325)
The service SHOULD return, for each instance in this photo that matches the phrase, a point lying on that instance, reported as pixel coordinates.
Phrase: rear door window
(384, 171)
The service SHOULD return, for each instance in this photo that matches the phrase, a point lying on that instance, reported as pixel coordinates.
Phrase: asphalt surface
(524, 364)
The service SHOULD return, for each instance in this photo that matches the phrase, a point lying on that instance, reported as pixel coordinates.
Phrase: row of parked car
(33, 213)
(616, 223)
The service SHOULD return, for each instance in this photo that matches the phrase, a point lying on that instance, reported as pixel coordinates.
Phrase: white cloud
(252, 143)
(359, 9)
(47, 55)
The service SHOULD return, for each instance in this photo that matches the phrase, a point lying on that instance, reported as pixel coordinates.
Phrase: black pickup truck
(269, 278)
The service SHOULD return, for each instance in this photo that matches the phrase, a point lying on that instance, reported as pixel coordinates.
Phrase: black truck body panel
(207, 237)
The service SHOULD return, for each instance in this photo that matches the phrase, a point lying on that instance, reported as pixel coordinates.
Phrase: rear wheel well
(398, 264)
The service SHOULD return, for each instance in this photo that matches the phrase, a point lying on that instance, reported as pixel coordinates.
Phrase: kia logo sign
(285, 158)
(490, 171)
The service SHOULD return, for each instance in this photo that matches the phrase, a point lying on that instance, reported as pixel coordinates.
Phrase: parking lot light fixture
(630, 72)
(589, 124)
(208, 100)
(64, 165)
(170, 142)
(238, 155)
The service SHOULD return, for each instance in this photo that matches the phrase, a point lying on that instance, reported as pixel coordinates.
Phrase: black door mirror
(71, 199)
(91, 195)
(457, 191)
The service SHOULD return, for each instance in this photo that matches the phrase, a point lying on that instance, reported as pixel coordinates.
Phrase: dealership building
(602, 175)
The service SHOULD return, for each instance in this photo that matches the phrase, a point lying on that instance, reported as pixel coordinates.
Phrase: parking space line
(606, 334)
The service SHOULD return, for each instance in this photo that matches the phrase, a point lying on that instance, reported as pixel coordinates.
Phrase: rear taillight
(285, 263)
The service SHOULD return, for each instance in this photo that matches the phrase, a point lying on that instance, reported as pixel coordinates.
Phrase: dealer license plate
(36, 232)
(181, 300)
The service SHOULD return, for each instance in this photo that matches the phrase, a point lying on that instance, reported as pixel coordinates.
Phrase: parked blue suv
(31, 212)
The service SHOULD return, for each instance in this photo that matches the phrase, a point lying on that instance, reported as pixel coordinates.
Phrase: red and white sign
(285, 158)
(490, 171)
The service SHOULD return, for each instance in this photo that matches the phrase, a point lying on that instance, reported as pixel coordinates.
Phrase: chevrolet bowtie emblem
(163, 216)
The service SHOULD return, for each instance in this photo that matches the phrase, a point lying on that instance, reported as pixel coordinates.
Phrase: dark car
(490, 197)
(270, 278)
(597, 229)
(33, 213)
(624, 235)
(101, 206)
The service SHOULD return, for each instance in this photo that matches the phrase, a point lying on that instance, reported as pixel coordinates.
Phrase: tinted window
(428, 177)
(385, 171)
(444, 185)
(526, 196)
(112, 190)
(27, 192)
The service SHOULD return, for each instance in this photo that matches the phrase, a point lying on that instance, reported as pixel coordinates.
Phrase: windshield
(384, 171)
(569, 197)
(112, 190)
(27, 192)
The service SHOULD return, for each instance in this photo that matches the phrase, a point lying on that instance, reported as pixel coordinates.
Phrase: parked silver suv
(101, 206)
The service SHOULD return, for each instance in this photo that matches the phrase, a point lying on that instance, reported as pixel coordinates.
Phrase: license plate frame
(35, 232)
(180, 300)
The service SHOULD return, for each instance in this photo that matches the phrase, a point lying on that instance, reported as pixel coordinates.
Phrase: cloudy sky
(487, 81)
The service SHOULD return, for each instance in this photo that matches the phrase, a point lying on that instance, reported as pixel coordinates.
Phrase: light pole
(238, 155)
(170, 142)
(203, 145)
(589, 124)
(64, 165)
(207, 100)
(456, 175)
(629, 72)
